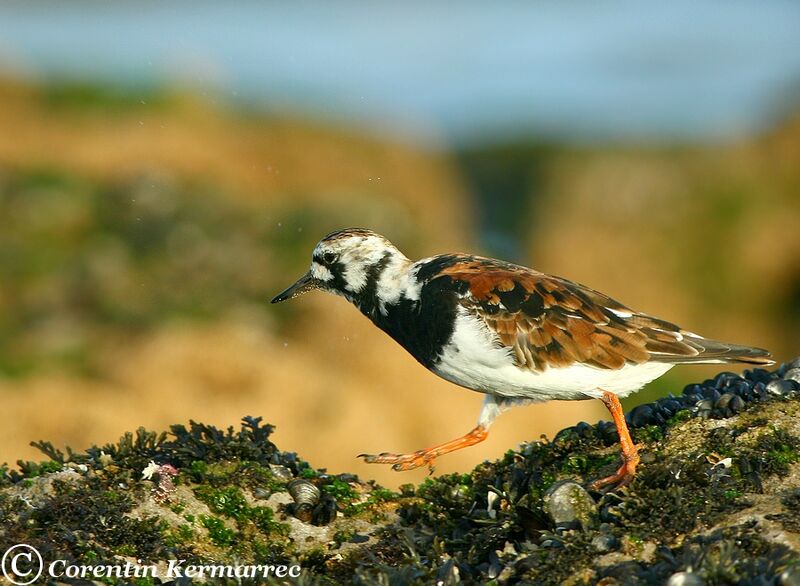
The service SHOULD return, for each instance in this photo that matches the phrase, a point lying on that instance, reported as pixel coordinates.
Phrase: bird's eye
(329, 258)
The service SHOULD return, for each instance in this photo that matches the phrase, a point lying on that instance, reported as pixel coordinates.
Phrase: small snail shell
(306, 497)
(303, 492)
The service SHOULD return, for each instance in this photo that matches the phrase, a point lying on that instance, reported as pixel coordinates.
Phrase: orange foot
(630, 453)
(401, 462)
(622, 477)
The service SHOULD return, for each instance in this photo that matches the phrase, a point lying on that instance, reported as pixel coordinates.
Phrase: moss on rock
(714, 497)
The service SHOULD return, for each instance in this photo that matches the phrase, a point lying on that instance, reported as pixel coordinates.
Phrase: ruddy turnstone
(510, 332)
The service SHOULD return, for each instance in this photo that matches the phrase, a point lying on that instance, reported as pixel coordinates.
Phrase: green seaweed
(693, 480)
(218, 532)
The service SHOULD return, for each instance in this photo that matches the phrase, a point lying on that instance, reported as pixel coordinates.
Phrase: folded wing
(550, 322)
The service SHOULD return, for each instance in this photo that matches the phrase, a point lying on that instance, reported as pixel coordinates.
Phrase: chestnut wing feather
(551, 322)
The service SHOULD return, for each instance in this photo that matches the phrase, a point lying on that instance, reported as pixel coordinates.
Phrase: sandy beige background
(705, 236)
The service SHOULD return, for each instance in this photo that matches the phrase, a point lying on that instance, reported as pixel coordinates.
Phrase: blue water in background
(468, 73)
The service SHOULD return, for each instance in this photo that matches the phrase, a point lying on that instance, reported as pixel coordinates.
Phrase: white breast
(473, 359)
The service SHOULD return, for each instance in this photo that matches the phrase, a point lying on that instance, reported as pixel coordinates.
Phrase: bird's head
(349, 263)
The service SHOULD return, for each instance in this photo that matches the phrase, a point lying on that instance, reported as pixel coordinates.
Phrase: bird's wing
(552, 322)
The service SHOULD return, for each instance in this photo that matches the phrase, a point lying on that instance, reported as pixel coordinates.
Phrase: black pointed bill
(304, 284)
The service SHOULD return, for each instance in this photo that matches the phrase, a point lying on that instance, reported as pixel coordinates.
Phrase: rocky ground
(716, 501)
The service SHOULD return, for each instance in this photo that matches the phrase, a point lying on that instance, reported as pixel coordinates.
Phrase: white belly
(473, 360)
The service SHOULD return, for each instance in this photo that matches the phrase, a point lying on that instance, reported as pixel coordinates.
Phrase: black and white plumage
(505, 330)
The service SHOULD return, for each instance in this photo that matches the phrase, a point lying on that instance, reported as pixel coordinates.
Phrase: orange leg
(630, 454)
(427, 456)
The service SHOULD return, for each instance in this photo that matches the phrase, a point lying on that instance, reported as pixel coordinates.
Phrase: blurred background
(167, 167)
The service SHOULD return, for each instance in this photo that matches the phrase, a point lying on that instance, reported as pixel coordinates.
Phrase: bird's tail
(714, 351)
